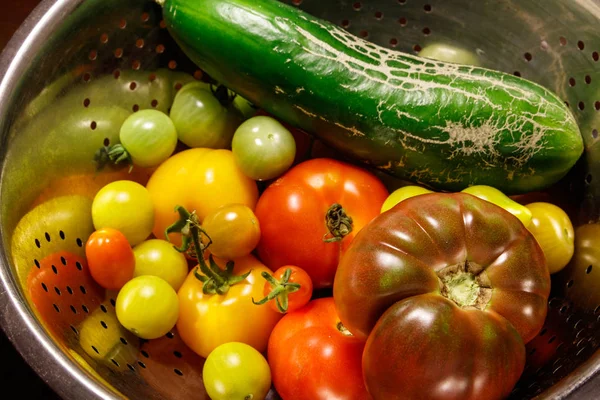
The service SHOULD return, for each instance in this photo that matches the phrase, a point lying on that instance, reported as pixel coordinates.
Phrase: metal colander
(73, 59)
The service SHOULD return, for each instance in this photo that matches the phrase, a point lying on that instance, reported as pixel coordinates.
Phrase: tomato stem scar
(339, 224)
(465, 284)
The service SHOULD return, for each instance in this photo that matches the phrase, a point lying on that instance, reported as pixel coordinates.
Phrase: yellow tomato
(125, 206)
(159, 258)
(233, 229)
(402, 194)
(200, 180)
(207, 321)
(498, 198)
(553, 230)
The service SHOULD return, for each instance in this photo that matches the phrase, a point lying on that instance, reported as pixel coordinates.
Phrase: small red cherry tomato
(110, 258)
(288, 289)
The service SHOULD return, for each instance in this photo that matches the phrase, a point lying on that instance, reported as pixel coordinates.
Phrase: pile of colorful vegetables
(288, 266)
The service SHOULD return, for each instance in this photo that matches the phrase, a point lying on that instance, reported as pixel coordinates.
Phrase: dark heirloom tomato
(447, 288)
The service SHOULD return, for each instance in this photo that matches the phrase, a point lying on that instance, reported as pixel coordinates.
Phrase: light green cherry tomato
(263, 148)
(245, 107)
(149, 137)
(200, 118)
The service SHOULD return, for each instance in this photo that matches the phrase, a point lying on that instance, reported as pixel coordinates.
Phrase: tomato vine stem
(214, 279)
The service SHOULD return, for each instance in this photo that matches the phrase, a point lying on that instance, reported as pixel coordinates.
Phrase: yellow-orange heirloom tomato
(553, 230)
(200, 180)
(207, 321)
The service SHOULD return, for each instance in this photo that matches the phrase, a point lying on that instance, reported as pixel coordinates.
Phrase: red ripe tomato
(309, 216)
(313, 357)
(288, 289)
(110, 258)
(63, 292)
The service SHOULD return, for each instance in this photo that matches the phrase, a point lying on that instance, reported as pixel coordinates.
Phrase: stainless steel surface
(553, 42)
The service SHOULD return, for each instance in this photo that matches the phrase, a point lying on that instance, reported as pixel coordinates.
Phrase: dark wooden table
(14, 372)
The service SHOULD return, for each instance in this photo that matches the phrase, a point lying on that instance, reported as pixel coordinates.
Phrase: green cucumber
(439, 124)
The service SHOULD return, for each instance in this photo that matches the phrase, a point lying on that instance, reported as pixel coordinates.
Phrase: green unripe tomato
(200, 118)
(263, 148)
(149, 136)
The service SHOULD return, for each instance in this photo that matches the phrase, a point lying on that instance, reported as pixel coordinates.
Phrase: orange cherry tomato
(110, 258)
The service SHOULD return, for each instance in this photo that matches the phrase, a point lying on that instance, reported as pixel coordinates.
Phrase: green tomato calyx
(281, 290)
(339, 224)
(465, 285)
(115, 154)
(214, 279)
